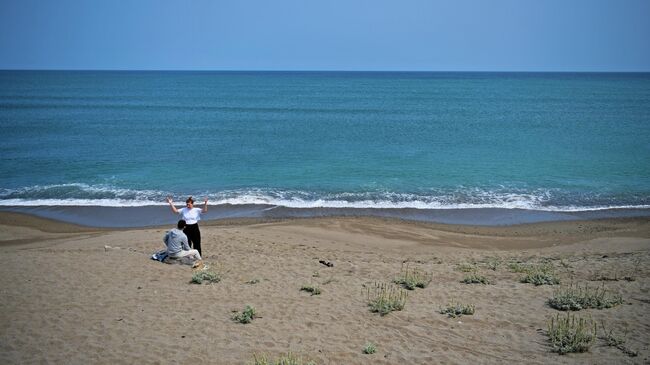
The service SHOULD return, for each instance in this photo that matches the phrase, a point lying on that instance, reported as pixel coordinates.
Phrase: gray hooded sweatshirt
(176, 240)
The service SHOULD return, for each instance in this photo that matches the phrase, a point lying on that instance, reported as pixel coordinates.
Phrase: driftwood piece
(326, 263)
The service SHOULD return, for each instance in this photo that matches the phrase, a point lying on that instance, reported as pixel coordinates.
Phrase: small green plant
(369, 348)
(316, 274)
(618, 341)
(540, 275)
(493, 263)
(475, 278)
(314, 290)
(198, 277)
(413, 278)
(541, 278)
(246, 316)
(575, 298)
(518, 267)
(385, 298)
(465, 267)
(253, 281)
(287, 359)
(571, 334)
(454, 309)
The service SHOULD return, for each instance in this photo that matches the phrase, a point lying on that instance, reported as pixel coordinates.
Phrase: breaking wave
(80, 194)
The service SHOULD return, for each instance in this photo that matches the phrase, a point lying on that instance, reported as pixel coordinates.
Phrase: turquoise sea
(312, 141)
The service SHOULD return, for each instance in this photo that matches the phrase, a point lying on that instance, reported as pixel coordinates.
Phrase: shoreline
(152, 216)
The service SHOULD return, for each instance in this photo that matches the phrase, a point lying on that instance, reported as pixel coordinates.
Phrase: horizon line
(315, 70)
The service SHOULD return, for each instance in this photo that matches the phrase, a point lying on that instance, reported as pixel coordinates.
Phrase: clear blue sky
(463, 35)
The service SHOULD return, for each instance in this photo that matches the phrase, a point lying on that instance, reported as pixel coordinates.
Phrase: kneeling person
(176, 242)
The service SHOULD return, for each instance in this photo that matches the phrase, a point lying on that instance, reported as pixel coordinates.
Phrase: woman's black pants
(193, 236)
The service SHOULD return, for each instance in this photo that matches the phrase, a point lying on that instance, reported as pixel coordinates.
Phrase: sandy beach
(73, 295)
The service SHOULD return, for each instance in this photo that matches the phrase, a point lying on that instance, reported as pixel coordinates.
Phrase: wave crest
(80, 194)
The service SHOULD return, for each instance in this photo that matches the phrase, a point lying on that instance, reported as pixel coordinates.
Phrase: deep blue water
(543, 141)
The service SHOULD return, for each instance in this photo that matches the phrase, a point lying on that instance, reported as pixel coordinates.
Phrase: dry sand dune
(67, 299)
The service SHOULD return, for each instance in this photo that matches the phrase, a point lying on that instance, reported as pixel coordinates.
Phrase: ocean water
(555, 142)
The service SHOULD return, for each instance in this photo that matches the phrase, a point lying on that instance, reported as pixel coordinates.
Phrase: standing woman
(191, 216)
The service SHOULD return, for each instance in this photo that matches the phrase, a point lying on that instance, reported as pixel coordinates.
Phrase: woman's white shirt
(191, 216)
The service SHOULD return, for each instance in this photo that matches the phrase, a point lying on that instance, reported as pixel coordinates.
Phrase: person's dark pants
(193, 236)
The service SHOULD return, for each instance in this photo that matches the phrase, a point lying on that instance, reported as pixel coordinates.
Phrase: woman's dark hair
(181, 224)
(189, 200)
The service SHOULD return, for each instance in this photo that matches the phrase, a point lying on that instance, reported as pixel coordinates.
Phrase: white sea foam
(320, 203)
(78, 203)
(80, 194)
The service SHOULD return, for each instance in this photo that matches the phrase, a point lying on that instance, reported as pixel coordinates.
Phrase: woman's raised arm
(171, 204)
